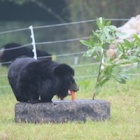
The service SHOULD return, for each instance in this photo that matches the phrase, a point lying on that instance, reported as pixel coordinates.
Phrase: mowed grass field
(124, 123)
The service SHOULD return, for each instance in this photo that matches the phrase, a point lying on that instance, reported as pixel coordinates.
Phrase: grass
(124, 123)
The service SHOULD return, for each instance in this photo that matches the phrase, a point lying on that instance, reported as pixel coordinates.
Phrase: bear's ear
(63, 69)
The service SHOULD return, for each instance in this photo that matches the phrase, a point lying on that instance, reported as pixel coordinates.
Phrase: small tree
(127, 53)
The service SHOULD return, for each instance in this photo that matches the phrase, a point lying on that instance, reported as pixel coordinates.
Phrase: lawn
(124, 123)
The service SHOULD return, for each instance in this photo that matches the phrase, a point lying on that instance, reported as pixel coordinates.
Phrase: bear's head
(66, 76)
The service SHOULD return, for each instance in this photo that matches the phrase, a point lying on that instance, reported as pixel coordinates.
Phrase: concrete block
(62, 111)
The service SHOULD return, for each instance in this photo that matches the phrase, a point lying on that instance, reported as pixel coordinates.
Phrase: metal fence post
(33, 41)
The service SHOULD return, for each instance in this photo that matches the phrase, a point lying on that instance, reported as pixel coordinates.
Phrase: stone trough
(62, 111)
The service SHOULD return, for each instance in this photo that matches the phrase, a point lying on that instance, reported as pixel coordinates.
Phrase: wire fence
(71, 52)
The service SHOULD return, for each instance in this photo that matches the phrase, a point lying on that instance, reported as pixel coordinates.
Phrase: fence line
(63, 24)
(1, 87)
(61, 55)
(77, 22)
(16, 30)
(56, 25)
(6, 62)
(58, 41)
(22, 46)
(76, 77)
(61, 41)
(4, 75)
(70, 54)
(84, 65)
(74, 66)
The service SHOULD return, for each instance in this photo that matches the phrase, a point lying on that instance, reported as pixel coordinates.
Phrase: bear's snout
(74, 87)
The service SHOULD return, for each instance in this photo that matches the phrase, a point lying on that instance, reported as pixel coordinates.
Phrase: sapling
(110, 67)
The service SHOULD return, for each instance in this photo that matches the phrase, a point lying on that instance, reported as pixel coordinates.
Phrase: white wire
(18, 47)
(61, 41)
(49, 42)
(63, 24)
(69, 54)
(85, 76)
(17, 30)
(6, 62)
(4, 86)
(61, 55)
(77, 22)
(4, 75)
(84, 65)
(77, 77)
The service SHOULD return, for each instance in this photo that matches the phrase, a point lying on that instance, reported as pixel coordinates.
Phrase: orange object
(73, 96)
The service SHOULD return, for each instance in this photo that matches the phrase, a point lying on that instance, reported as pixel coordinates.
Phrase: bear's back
(46, 67)
(21, 62)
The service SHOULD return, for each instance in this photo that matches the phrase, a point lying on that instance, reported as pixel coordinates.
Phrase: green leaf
(121, 77)
(108, 23)
(103, 81)
(119, 34)
(128, 44)
(134, 59)
(96, 51)
(112, 28)
(100, 22)
(89, 53)
(86, 43)
(91, 41)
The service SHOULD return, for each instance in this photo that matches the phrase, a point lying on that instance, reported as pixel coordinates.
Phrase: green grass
(124, 123)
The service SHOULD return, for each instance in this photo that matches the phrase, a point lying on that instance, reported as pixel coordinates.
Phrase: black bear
(11, 51)
(39, 80)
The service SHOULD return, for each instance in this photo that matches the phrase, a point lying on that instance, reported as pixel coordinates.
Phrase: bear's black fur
(39, 80)
(11, 51)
